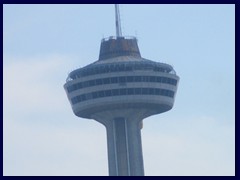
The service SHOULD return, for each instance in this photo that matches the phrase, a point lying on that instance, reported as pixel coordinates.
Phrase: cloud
(34, 150)
(41, 134)
(35, 82)
(200, 146)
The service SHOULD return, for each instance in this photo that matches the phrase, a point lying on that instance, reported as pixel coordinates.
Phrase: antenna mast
(118, 24)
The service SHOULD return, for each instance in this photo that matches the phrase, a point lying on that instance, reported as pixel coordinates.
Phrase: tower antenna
(118, 23)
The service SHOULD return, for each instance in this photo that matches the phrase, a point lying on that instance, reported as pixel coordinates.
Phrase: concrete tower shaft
(124, 141)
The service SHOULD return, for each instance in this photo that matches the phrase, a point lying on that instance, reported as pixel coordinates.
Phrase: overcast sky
(43, 43)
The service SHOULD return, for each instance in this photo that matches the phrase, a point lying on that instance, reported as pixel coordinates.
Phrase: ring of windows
(120, 67)
(122, 92)
(121, 80)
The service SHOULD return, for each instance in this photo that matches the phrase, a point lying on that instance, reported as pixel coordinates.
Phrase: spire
(119, 45)
(118, 23)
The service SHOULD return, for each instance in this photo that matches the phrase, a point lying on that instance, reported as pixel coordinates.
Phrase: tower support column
(124, 147)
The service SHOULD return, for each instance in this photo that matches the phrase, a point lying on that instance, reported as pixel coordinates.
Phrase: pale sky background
(43, 43)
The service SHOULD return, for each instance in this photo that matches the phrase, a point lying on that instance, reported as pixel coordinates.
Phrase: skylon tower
(119, 90)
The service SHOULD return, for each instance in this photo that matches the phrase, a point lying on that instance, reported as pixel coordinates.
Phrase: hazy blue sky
(43, 43)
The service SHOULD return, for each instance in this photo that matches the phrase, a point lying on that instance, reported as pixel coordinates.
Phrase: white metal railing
(115, 37)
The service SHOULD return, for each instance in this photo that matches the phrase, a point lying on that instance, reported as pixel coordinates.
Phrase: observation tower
(119, 90)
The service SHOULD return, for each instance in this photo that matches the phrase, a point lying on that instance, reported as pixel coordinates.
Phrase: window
(152, 79)
(157, 91)
(151, 91)
(74, 100)
(98, 81)
(88, 96)
(164, 80)
(117, 68)
(174, 82)
(137, 67)
(145, 91)
(78, 99)
(107, 69)
(83, 97)
(159, 79)
(73, 87)
(96, 70)
(79, 86)
(129, 78)
(137, 78)
(100, 93)
(148, 66)
(171, 93)
(130, 91)
(164, 92)
(86, 84)
(121, 68)
(115, 92)
(111, 68)
(92, 83)
(145, 78)
(108, 93)
(114, 80)
(128, 68)
(137, 90)
(123, 92)
(91, 71)
(122, 79)
(156, 69)
(106, 81)
(140, 66)
(69, 89)
(95, 95)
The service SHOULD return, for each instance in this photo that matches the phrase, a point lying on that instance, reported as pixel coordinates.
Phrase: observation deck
(121, 79)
